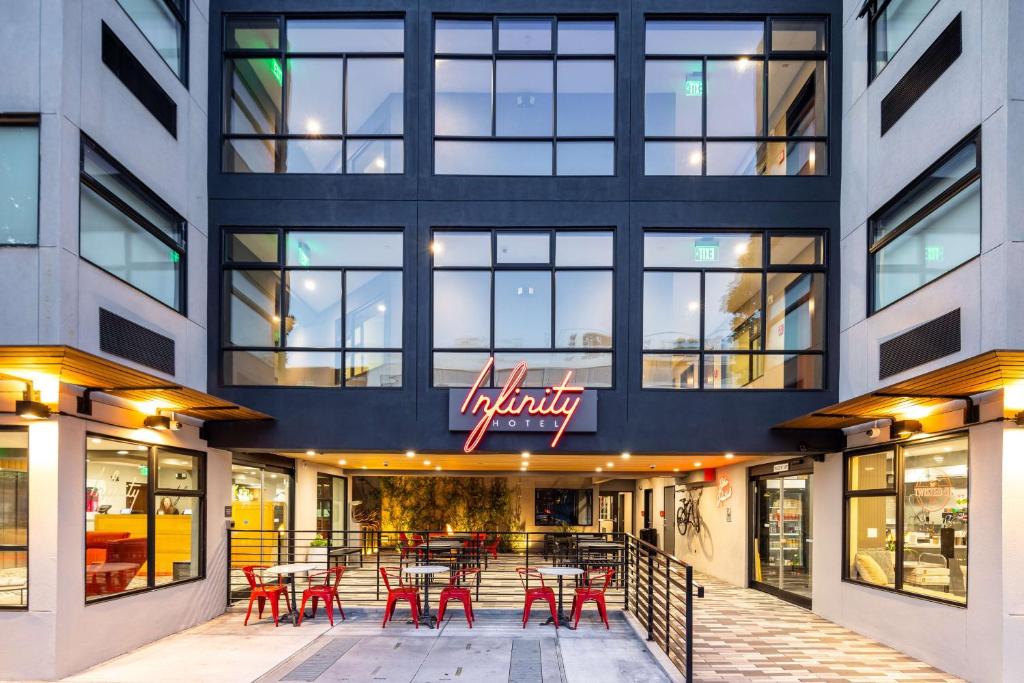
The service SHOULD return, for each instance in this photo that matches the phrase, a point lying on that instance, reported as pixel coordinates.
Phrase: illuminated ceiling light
(523, 468)
(742, 63)
(609, 464)
(410, 454)
(437, 468)
(525, 455)
(599, 469)
(122, 452)
(693, 306)
(313, 126)
(697, 464)
(625, 456)
(906, 428)
(157, 422)
(310, 452)
(741, 249)
(95, 440)
(381, 308)
(696, 157)
(426, 462)
(343, 462)
(309, 284)
(363, 467)
(729, 456)
(276, 318)
(32, 410)
(675, 469)
(437, 247)
(141, 448)
(380, 163)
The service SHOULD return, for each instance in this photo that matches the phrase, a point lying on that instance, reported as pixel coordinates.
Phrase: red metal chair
(455, 591)
(595, 583)
(260, 593)
(402, 592)
(537, 592)
(326, 591)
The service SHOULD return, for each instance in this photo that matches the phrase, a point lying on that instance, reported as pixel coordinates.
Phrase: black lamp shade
(158, 422)
(32, 410)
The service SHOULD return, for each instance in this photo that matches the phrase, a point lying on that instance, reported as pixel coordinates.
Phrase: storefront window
(541, 296)
(144, 507)
(735, 97)
(733, 310)
(496, 113)
(909, 532)
(13, 518)
(929, 229)
(341, 82)
(309, 308)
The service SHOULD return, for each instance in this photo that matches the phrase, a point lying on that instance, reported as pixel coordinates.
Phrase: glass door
(781, 556)
(260, 511)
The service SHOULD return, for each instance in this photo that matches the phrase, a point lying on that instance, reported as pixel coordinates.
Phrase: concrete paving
(496, 649)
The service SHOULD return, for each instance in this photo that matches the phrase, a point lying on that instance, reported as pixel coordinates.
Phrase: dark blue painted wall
(415, 417)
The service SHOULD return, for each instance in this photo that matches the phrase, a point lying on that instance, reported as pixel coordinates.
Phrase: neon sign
(560, 408)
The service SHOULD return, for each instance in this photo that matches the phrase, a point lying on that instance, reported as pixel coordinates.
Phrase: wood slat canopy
(72, 366)
(985, 372)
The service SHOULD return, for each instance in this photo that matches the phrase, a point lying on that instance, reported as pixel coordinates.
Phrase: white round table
(560, 572)
(427, 571)
(292, 570)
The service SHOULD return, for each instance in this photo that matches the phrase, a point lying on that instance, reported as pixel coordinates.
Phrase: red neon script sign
(559, 402)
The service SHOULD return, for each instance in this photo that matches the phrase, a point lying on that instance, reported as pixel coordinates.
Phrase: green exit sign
(693, 88)
(933, 253)
(705, 251)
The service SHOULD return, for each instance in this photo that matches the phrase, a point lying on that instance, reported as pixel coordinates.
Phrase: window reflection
(13, 518)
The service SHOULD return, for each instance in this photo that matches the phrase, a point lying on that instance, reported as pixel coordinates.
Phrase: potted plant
(317, 551)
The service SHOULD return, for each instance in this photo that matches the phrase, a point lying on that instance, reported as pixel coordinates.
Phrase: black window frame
(151, 198)
(764, 270)
(180, 10)
(963, 183)
(281, 266)
(153, 494)
(550, 267)
(767, 56)
(552, 55)
(28, 526)
(281, 53)
(897, 492)
(874, 9)
(331, 481)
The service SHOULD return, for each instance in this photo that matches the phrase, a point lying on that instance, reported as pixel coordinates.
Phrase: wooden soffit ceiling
(72, 366)
(986, 372)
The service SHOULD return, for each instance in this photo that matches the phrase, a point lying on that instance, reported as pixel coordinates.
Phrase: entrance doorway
(782, 533)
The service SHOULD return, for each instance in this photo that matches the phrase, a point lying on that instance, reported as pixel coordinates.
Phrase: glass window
(504, 95)
(745, 323)
(327, 309)
(797, 251)
(143, 517)
(716, 101)
(259, 247)
(129, 232)
(555, 314)
(891, 25)
(524, 35)
(13, 518)
(344, 99)
(931, 228)
(163, 24)
(586, 37)
(19, 183)
(909, 533)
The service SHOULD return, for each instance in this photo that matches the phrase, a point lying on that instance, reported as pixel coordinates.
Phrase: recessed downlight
(410, 454)
(625, 455)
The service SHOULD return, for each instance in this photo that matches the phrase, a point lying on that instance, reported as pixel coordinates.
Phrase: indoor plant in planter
(317, 551)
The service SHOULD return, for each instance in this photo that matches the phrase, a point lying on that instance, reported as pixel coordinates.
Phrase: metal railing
(656, 588)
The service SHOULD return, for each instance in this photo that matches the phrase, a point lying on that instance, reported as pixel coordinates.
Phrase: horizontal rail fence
(659, 592)
(496, 553)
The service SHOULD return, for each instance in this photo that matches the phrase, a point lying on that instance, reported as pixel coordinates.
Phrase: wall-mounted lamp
(32, 410)
(905, 428)
(158, 422)
(1019, 419)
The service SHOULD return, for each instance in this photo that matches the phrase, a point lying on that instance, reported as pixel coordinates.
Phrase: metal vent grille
(134, 76)
(926, 70)
(123, 338)
(924, 343)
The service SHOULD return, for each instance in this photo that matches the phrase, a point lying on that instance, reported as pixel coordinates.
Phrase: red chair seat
(455, 591)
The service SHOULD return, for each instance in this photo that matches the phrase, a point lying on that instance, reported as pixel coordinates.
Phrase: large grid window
(313, 95)
(930, 228)
(543, 296)
(165, 25)
(733, 310)
(736, 97)
(524, 96)
(13, 518)
(144, 516)
(126, 230)
(318, 308)
(891, 22)
(906, 518)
